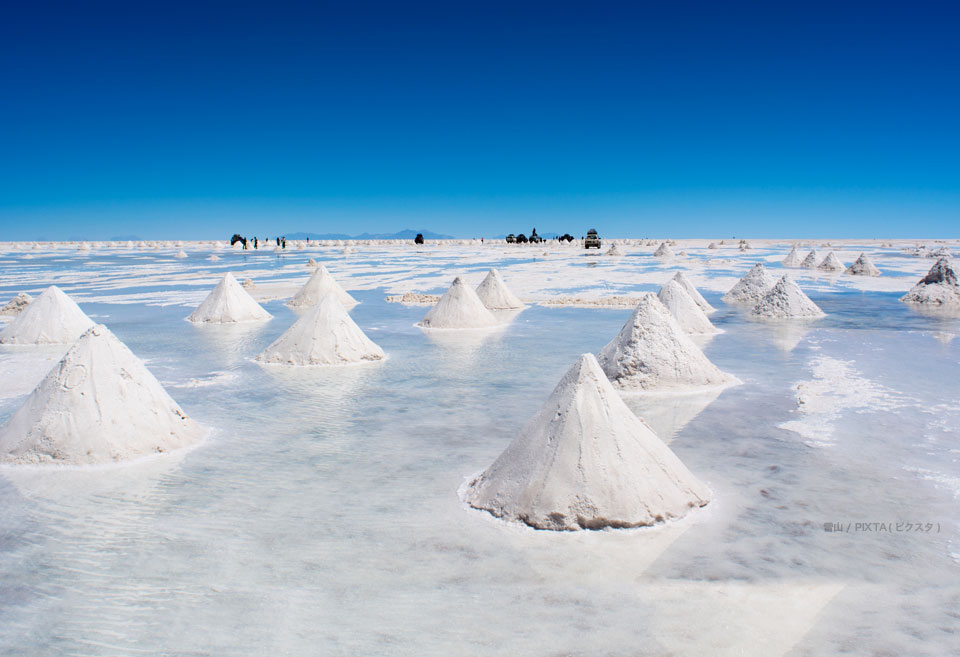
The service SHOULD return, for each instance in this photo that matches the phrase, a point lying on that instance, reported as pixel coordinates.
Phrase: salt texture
(98, 405)
(459, 308)
(863, 266)
(786, 300)
(751, 287)
(684, 309)
(317, 286)
(494, 294)
(585, 461)
(694, 293)
(53, 318)
(228, 303)
(16, 305)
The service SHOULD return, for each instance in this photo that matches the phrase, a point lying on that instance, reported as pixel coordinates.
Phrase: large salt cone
(53, 318)
(863, 266)
(939, 288)
(495, 295)
(786, 300)
(227, 303)
(694, 293)
(792, 259)
(585, 461)
(319, 284)
(652, 353)
(100, 404)
(811, 261)
(459, 308)
(663, 251)
(326, 335)
(751, 288)
(685, 310)
(831, 263)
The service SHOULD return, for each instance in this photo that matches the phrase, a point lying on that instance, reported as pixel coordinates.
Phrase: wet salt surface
(322, 514)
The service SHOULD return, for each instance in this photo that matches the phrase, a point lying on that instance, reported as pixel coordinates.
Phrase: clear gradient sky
(197, 120)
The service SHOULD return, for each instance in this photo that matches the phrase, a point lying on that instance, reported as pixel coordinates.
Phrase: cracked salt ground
(322, 515)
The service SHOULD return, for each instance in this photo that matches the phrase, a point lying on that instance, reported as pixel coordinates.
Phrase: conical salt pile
(786, 300)
(863, 266)
(459, 308)
(321, 282)
(311, 263)
(937, 288)
(17, 304)
(326, 335)
(751, 287)
(652, 352)
(99, 405)
(694, 293)
(228, 303)
(585, 461)
(180, 254)
(811, 261)
(684, 309)
(614, 251)
(712, 245)
(831, 263)
(53, 318)
(494, 294)
(792, 259)
(663, 251)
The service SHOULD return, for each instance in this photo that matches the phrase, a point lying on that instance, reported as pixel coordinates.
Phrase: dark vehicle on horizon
(418, 239)
(592, 240)
(522, 239)
(511, 239)
(534, 238)
(566, 237)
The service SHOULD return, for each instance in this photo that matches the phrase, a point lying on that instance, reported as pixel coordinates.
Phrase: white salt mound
(228, 303)
(694, 293)
(99, 405)
(712, 245)
(751, 287)
(792, 259)
(311, 263)
(684, 309)
(585, 461)
(938, 288)
(53, 318)
(459, 308)
(863, 266)
(663, 251)
(16, 305)
(831, 263)
(213, 257)
(614, 251)
(652, 353)
(180, 254)
(317, 286)
(326, 335)
(786, 300)
(494, 294)
(810, 262)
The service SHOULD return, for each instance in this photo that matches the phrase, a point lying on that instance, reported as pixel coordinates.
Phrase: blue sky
(197, 120)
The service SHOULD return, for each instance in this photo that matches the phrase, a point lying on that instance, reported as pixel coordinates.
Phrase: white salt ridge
(831, 263)
(326, 335)
(694, 293)
(17, 304)
(684, 309)
(652, 353)
(459, 308)
(495, 294)
(100, 404)
(863, 266)
(228, 303)
(585, 461)
(792, 259)
(810, 262)
(53, 318)
(317, 286)
(787, 300)
(751, 288)
(663, 251)
(938, 288)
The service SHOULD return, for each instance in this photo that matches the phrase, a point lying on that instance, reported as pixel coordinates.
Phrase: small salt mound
(684, 309)
(614, 251)
(831, 263)
(319, 284)
(16, 305)
(459, 308)
(248, 284)
(585, 461)
(83, 246)
(863, 266)
(494, 294)
(681, 278)
(751, 287)
(810, 262)
(311, 263)
(652, 352)
(787, 300)
(663, 251)
(213, 258)
(324, 336)
(712, 245)
(793, 258)
(53, 318)
(99, 405)
(180, 254)
(228, 303)
(938, 288)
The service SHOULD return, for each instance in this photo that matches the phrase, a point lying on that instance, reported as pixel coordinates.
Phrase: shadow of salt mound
(742, 619)
(464, 341)
(330, 385)
(668, 414)
(231, 341)
(506, 316)
(787, 333)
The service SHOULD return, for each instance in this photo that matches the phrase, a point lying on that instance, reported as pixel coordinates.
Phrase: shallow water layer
(321, 516)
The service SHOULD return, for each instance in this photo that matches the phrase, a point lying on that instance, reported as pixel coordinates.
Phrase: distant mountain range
(406, 234)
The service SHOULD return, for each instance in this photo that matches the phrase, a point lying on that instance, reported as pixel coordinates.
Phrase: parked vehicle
(511, 239)
(592, 240)
(566, 237)
(522, 239)
(418, 239)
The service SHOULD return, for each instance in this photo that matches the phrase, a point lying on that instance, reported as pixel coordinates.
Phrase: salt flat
(321, 516)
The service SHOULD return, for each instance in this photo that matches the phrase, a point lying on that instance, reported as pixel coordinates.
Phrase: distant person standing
(255, 243)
